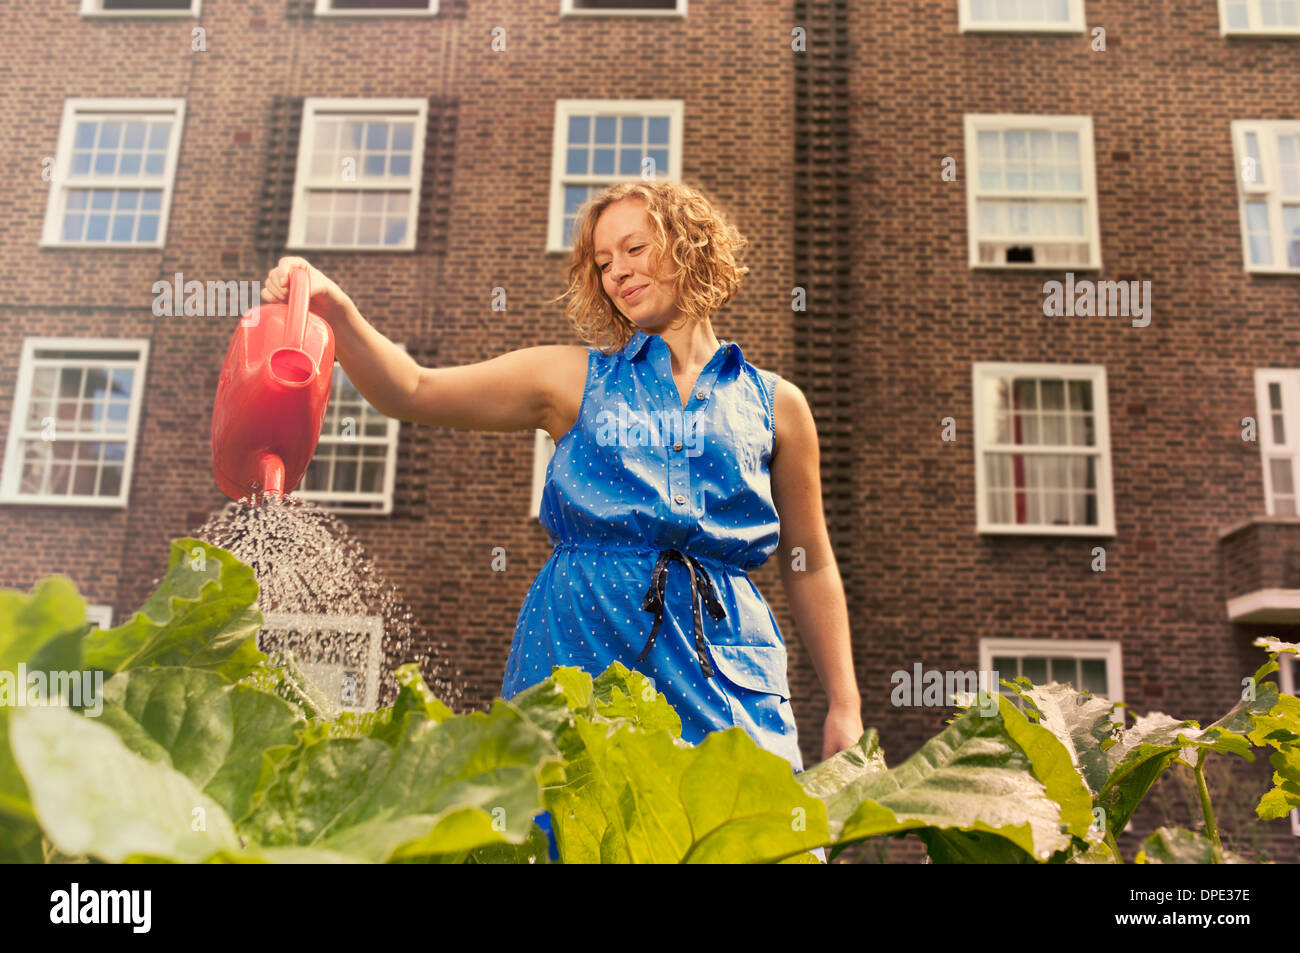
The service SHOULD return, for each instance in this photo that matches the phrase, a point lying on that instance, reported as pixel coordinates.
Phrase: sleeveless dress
(657, 512)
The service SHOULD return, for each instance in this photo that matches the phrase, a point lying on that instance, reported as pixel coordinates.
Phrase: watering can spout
(272, 397)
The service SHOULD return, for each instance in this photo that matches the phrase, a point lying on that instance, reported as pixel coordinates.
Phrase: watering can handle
(295, 329)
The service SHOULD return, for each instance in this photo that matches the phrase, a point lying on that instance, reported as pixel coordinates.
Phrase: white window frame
(100, 615)
(976, 123)
(1112, 653)
(323, 9)
(1267, 189)
(373, 626)
(334, 501)
(565, 108)
(303, 182)
(543, 451)
(56, 201)
(567, 9)
(10, 477)
(95, 8)
(1096, 374)
(1254, 25)
(1289, 382)
(967, 24)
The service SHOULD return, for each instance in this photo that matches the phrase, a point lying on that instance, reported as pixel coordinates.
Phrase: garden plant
(200, 748)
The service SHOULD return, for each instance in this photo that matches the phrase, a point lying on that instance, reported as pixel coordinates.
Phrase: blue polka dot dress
(657, 512)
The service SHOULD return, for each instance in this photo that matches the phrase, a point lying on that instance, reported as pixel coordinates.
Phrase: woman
(678, 467)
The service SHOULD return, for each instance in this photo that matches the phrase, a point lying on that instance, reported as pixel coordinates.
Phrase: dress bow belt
(701, 586)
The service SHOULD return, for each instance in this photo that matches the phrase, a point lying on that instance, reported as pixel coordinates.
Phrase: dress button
(679, 498)
(677, 445)
(699, 395)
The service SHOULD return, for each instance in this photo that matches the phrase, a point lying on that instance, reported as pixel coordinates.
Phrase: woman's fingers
(277, 280)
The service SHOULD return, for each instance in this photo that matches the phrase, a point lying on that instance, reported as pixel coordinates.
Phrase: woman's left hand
(842, 730)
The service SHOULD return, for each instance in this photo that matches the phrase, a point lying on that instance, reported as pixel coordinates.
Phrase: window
(1021, 15)
(1090, 666)
(381, 8)
(1031, 194)
(341, 656)
(1042, 449)
(1277, 393)
(113, 173)
(1268, 183)
(633, 7)
(100, 615)
(543, 450)
(1259, 17)
(600, 142)
(355, 463)
(73, 430)
(183, 8)
(358, 178)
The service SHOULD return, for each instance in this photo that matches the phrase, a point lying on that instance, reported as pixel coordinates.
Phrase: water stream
(327, 606)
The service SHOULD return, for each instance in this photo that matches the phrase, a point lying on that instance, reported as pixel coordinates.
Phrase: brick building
(922, 171)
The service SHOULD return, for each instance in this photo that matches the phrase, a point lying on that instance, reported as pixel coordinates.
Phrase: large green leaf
(444, 788)
(840, 780)
(414, 700)
(94, 796)
(999, 775)
(31, 624)
(1138, 756)
(41, 631)
(648, 797)
(1279, 727)
(215, 733)
(1081, 721)
(20, 841)
(201, 616)
(1175, 845)
(622, 693)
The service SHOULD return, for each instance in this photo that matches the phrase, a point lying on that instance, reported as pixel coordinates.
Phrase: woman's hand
(326, 298)
(842, 730)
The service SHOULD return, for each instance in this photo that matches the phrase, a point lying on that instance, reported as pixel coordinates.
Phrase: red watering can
(271, 399)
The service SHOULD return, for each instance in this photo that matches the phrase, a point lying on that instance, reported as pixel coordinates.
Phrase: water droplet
(307, 563)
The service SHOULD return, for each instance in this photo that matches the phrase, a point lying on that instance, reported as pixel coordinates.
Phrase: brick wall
(1161, 98)
(829, 161)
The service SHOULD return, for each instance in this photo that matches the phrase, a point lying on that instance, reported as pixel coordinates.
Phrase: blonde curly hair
(700, 240)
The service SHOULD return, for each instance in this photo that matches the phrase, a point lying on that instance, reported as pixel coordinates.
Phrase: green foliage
(1173, 845)
(204, 751)
(996, 788)
(201, 616)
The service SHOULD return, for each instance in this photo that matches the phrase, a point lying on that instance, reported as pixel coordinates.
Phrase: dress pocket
(760, 668)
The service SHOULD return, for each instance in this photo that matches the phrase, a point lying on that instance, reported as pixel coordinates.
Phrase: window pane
(1291, 234)
(1034, 669)
(1280, 470)
(1261, 246)
(1064, 670)
(1093, 676)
